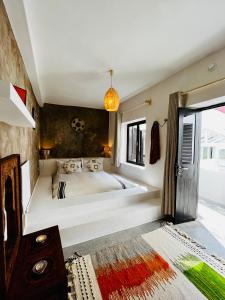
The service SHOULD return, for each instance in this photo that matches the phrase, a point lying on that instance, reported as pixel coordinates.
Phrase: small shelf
(12, 109)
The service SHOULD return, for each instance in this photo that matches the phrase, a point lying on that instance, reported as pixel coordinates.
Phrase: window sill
(133, 165)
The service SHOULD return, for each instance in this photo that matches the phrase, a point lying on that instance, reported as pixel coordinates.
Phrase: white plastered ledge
(13, 111)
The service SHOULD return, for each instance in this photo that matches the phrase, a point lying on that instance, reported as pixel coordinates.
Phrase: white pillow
(93, 164)
(69, 166)
(72, 166)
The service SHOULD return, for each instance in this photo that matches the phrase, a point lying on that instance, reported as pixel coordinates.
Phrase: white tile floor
(212, 217)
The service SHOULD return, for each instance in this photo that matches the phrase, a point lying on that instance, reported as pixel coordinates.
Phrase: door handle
(180, 170)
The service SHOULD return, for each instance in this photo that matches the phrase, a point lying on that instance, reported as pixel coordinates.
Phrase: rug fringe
(72, 257)
(196, 243)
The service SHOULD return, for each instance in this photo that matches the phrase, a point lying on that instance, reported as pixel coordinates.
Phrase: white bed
(85, 183)
(109, 209)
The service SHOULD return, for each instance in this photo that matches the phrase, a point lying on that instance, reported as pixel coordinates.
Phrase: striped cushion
(61, 190)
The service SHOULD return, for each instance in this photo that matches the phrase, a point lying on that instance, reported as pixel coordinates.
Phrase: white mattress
(84, 183)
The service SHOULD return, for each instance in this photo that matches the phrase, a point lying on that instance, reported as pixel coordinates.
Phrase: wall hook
(148, 101)
(164, 123)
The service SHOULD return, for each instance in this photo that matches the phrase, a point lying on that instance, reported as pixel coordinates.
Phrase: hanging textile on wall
(155, 144)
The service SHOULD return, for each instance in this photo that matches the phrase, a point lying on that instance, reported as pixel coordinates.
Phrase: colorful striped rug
(163, 264)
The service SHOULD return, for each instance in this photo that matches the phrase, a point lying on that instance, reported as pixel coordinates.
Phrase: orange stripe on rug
(138, 278)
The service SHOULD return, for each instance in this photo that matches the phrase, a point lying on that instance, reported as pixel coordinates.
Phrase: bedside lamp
(45, 153)
(107, 151)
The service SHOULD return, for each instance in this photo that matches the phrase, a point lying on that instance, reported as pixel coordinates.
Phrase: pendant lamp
(111, 99)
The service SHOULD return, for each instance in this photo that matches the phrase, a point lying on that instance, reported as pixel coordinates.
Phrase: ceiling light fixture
(111, 99)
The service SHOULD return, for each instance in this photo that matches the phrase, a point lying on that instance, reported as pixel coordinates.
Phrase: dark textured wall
(24, 141)
(65, 141)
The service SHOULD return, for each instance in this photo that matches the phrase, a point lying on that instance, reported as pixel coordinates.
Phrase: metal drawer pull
(41, 239)
(40, 267)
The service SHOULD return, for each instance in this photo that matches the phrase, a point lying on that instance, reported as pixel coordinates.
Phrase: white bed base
(25, 184)
(91, 216)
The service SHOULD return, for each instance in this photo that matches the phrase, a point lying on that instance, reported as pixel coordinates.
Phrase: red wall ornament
(22, 93)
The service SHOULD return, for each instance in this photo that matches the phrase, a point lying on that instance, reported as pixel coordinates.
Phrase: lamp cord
(111, 74)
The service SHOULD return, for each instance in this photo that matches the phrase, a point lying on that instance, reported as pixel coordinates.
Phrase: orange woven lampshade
(111, 99)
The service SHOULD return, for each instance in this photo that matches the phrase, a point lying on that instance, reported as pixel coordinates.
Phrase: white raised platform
(90, 216)
(110, 221)
(13, 111)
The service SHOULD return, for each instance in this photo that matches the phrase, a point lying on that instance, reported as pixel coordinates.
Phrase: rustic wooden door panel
(187, 168)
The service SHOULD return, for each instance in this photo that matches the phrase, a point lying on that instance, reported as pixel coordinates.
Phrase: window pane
(132, 136)
(222, 154)
(142, 133)
(205, 153)
(136, 143)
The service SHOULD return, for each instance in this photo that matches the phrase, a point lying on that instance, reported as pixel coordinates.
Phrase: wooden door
(187, 167)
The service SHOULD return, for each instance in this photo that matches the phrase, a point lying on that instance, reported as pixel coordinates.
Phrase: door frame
(200, 109)
(197, 110)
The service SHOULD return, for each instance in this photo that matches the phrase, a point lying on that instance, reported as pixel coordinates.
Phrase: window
(222, 154)
(208, 153)
(205, 153)
(136, 143)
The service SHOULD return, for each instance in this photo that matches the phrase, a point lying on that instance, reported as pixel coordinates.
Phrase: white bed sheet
(85, 183)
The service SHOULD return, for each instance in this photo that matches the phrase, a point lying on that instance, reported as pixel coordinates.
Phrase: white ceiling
(72, 43)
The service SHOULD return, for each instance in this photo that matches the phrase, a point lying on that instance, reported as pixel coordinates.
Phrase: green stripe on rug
(206, 279)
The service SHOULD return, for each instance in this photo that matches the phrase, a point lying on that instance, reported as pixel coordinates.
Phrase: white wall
(192, 76)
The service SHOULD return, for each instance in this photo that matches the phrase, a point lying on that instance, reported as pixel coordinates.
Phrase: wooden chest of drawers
(30, 268)
(25, 282)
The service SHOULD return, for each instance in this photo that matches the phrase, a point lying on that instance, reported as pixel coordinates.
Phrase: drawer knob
(41, 239)
(40, 267)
